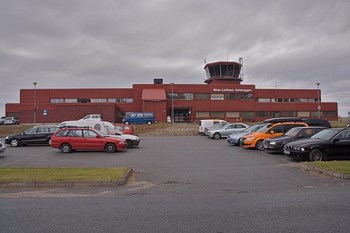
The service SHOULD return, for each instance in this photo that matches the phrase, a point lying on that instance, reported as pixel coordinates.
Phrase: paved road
(183, 184)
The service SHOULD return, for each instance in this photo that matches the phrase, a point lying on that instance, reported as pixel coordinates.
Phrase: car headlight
(7, 137)
(250, 138)
(299, 149)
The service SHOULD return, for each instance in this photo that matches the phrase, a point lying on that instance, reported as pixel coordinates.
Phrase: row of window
(287, 100)
(264, 114)
(190, 96)
(204, 96)
(88, 100)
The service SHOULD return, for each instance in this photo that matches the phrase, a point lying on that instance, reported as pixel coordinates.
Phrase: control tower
(224, 72)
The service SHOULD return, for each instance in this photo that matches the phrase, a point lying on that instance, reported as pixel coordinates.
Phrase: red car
(82, 138)
(127, 129)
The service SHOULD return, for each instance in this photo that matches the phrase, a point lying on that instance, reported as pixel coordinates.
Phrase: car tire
(259, 145)
(316, 155)
(217, 136)
(66, 148)
(14, 142)
(128, 144)
(48, 141)
(110, 148)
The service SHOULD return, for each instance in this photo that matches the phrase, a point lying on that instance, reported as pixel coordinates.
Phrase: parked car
(235, 137)
(127, 129)
(92, 117)
(2, 119)
(104, 127)
(213, 127)
(208, 123)
(328, 144)
(226, 130)
(11, 121)
(308, 121)
(36, 135)
(84, 138)
(140, 118)
(294, 134)
(2, 147)
(270, 130)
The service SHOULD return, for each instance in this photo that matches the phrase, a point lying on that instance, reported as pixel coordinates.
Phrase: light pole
(172, 103)
(319, 99)
(35, 83)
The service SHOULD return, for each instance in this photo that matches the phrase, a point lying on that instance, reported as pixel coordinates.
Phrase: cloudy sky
(117, 43)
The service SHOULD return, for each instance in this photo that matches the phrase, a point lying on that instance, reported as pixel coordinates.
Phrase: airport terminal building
(221, 96)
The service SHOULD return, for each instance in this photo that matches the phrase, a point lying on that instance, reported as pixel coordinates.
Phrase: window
(43, 130)
(247, 96)
(186, 96)
(247, 114)
(98, 100)
(217, 114)
(233, 96)
(126, 100)
(232, 114)
(202, 114)
(264, 100)
(172, 96)
(217, 96)
(277, 129)
(70, 100)
(56, 101)
(89, 134)
(75, 133)
(201, 96)
(31, 131)
(303, 114)
(117, 100)
(62, 133)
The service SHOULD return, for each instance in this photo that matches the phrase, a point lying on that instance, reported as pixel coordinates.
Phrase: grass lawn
(8, 175)
(335, 166)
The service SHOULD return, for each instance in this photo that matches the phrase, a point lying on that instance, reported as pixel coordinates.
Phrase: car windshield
(326, 134)
(263, 128)
(293, 132)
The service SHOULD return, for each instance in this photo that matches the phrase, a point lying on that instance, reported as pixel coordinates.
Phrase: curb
(308, 167)
(112, 183)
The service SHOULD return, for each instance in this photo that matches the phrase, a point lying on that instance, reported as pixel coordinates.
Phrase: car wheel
(149, 122)
(316, 155)
(128, 144)
(217, 136)
(259, 145)
(14, 142)
(66, 148)
(110, 148)
(48, 141)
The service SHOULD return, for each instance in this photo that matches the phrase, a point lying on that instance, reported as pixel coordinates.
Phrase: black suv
(37, 135)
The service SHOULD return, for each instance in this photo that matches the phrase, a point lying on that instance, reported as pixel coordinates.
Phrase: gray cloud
(71, 44)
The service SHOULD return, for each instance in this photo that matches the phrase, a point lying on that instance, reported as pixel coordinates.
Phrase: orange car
(255, 140)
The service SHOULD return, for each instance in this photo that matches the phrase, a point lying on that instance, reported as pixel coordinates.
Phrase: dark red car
(127, 129)
(83, 138)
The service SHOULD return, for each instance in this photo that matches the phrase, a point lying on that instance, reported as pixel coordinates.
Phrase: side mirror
(24, 133)
(271, 132)
(98, 136)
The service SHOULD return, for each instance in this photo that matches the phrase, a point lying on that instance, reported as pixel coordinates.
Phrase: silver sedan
(226, 130)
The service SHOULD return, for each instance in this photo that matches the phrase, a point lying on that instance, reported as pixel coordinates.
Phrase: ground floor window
(202, 114)
(217, 114)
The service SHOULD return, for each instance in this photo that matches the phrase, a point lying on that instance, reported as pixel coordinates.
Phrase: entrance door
(182, 115)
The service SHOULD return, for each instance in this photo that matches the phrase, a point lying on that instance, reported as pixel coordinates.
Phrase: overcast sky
(117, 43)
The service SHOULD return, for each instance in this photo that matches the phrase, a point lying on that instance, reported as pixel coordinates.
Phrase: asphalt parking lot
(177, 159)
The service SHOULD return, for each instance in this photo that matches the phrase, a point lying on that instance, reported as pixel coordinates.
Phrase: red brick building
(223, 96)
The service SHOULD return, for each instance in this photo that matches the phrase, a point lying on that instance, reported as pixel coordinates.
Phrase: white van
(105, 127)
(208, 123)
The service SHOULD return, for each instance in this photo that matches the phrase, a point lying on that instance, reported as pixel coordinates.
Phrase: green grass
(335, 166)
(8, 175)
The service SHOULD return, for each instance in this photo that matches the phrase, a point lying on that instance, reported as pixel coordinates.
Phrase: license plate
(287, 152)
